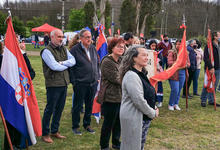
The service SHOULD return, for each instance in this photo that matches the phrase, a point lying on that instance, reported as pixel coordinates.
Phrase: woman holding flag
(111, 100)
(177, 80)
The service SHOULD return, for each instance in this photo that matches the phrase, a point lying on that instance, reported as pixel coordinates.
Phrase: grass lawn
(30, 47)
(195, 129)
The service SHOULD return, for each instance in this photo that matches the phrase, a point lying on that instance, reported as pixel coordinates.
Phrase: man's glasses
(87, 37)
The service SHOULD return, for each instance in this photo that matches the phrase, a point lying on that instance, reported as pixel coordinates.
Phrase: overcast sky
(3, 1)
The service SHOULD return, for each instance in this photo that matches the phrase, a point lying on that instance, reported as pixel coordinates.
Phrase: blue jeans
(210, 96)
(182, 78)
(160, 92)
(36, 44)
(195, 81)
(164, 62)
(176, 87)
(56, 97)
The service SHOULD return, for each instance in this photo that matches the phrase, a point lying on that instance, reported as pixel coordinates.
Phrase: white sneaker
(159, 104)
(177, 107)
(171, 108)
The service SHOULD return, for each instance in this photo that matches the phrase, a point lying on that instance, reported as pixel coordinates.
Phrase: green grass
(195, 129)
(30, 47)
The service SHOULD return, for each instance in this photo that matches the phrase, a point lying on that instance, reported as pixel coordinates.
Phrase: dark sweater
(192, 58)
(149, 91)
(216, 54)
(85, 71)
(110, 78)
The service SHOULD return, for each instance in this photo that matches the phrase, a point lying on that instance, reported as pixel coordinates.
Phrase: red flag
(18, 100)
(118, 31)
(180, 63)
(110, 31)
(209, 80)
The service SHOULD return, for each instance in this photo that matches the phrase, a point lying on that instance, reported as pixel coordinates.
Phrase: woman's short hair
(113, 43)
(178, 40)
(152, 42)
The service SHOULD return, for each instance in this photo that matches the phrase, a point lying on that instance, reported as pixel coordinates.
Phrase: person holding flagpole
(56, 60)
(213, 70)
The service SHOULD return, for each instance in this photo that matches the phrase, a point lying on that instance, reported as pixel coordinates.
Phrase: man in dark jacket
(212, 69)
(192, 68)
(84, 76)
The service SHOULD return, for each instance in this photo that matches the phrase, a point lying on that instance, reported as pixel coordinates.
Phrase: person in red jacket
(165, 45)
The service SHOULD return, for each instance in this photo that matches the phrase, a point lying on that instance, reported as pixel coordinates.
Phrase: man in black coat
(84, 77)
(212, 69)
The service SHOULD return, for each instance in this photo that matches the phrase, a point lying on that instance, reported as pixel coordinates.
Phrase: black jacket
(216, 58)
(30, 69)
(85, 71)
(149, 91)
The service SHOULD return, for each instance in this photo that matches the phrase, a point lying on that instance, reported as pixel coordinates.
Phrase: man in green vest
(56, 60)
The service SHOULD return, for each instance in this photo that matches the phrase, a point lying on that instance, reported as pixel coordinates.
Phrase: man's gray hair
(82, 32)
(52, 33)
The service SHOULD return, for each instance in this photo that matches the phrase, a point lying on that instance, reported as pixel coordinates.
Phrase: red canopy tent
(44, 28)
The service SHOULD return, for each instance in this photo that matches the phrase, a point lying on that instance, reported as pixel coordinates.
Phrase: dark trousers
(110, 125)
(15, 136)
(190, 78)
(87, 93)
(56, 98)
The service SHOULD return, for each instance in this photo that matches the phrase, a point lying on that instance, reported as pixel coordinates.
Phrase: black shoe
(203, 104)
(116, 147)
(212, 103)
(196, 94)
(76, 131)
(90, 130)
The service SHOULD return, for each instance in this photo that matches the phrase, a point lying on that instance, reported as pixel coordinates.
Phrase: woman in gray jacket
(138, 99)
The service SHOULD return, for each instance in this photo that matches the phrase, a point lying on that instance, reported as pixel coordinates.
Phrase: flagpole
(184, 22)
(6, 129)
(214, 99)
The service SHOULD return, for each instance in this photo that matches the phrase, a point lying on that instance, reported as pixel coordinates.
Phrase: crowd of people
(128, 100)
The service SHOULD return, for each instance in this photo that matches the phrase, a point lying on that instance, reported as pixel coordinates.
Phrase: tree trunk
(102, 11)
(144, 24)
(95, 18)
(138, 8)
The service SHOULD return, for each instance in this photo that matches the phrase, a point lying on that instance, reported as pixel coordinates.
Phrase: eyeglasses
(119, 46)
(87, 37)
(60, 36)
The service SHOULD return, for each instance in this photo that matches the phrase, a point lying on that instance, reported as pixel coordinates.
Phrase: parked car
(148, 42)
(173, 40)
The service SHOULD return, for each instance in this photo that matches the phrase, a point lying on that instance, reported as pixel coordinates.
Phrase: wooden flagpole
(184, 22)
(6, 129)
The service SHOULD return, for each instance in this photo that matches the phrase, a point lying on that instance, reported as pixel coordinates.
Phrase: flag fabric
(18, 100)
(209, 80)
(118, 31)
(180, 63)
(102, 51)
(110, 31)
(102, 46)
